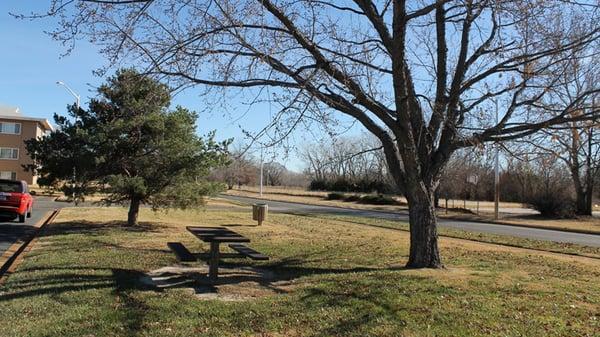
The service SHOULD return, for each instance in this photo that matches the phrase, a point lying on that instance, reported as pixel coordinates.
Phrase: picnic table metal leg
(213, 262)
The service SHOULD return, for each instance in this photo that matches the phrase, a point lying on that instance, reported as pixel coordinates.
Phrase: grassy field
(327, 277)
(587, 224)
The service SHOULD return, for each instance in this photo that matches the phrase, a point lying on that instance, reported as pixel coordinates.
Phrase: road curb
(13, 255)
(501, 223)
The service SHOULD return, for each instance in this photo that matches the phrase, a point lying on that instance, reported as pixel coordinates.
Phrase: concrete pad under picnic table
(235, 283)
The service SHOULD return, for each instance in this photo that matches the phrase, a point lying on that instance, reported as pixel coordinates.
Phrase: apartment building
(14, 130)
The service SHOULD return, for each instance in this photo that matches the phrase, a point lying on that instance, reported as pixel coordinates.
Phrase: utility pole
(261, 171)
(496, 174)
(588, 178)
(590, 169)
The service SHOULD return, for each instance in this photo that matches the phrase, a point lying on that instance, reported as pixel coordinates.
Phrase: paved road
(529, 233)
(11, 229)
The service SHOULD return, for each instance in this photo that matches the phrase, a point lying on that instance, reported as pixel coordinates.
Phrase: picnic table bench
(215, 236)
(182, 253)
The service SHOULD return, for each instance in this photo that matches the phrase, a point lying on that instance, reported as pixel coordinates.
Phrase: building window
(8, 175)
(10, 128)
(9, 153)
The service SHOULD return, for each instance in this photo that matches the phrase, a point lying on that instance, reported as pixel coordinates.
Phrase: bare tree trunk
(134, 210)
(583, 192)
(584, 201)
(424, 252)
(590, 194)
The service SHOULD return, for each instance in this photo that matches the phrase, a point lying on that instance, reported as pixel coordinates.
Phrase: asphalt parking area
(11, 230)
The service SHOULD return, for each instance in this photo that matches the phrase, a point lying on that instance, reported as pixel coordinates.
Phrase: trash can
(259, 212)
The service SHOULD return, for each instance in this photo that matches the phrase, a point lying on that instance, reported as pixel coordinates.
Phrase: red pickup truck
(15, 199)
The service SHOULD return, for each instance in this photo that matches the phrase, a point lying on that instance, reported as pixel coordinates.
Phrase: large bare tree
(419, 75)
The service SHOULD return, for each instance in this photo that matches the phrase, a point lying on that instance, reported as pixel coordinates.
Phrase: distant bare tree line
(470, 176)
(244, 169)
(351, 164)
(538, 174)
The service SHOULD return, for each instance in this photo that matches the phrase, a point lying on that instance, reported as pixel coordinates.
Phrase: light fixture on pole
(77, 105)
(72, 92)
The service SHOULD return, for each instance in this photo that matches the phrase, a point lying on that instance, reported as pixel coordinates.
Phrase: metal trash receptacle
(259, 212)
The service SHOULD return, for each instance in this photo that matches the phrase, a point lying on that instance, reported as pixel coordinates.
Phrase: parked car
(15, 199)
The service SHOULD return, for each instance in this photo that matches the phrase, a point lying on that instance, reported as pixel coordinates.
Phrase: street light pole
(77, 105)
(261, 171)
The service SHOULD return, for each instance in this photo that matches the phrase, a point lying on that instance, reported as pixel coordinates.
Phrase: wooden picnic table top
(216, 234)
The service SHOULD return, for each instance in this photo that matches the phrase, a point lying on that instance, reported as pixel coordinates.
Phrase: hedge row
(363, 185)
(369, 199)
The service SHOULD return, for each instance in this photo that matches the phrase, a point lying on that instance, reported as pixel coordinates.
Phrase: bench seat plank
(182, 253)
(249, 252)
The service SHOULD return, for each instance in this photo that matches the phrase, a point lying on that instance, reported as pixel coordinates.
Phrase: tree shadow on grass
(294, 267)
(63, 284)
(57, 282)
(96, 228)
(275, 276)
(358, 291)
(366, 307)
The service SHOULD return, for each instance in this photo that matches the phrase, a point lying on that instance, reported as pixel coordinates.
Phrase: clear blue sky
(31, 63)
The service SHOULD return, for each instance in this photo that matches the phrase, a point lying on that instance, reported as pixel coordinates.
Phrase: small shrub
(352, 198)
(460, 210)
(553, 204)
(335, 196)
(341, 185)
(379, 199)
(318, 185)
(362, 185)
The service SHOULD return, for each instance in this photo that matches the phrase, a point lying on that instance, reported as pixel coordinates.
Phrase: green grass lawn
(331, 277)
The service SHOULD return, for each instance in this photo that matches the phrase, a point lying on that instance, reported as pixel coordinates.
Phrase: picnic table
(217, 235)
